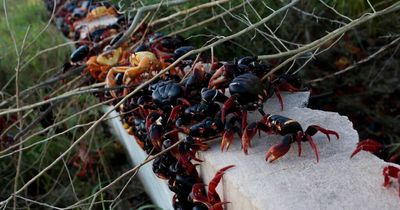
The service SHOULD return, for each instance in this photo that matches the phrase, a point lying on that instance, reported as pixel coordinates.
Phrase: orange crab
(98, 66)
(100, 12)
(141, 62)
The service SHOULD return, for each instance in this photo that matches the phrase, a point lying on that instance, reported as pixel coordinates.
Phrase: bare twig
(55, 125)
(208, 20)
(319, 42)
(78, 91)
(139, 14)
(133, 170)
(45, 83)
(188, 11)
(382, 49)
(335, 11)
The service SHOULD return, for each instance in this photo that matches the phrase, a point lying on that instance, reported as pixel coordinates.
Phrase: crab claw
(279, 150)
(391, 171)
(214, 78)
(198, 195)
(174, 113)
(218, 206)
(249, 132)
(184, 161)
(213, 196)
(155, 135)
(227, 139)
(368, 145)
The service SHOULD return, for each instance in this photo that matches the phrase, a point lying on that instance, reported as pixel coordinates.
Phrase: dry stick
(78, 91)
(266, 26)
(54, 125)
(208, 20)
(234, 43)
(47, 50)
(69, 84)
(138, 15)
(333, 34)
(247, 22)
(264, 34)
(188, 11)
(133, 170)
(356, 64)
(39, 203)
(45, 27)
(314, 54)
(46, 82)
(14, 124)
(17, 98)
(35, 122)
(319, 42)
(4, 202)
(54, 136)
(112, 206)
(36, 55)
(317, 18)
(32, 124)
(175, 22)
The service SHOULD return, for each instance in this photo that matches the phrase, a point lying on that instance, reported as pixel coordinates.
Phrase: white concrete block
(293, 182)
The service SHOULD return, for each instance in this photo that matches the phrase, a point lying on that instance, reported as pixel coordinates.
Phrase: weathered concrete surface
(293, 182)
(156, 188)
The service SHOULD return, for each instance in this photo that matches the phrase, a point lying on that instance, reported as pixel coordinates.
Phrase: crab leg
(278, 150)
(368, 145)
(228, 104)
(278, 95)
(227, 139)
(249, 132)
(312, 129)
(312, 144)
(391, 171)
(213, 196)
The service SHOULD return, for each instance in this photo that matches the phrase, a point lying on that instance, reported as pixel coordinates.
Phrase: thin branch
(78, 91)
(128, 33)
(208, 20)
(133, 170)
(188, 11)
(45, 83)
(319, 42)
(55, 125)
(39, 203)
(335, 11)
(356, 64)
